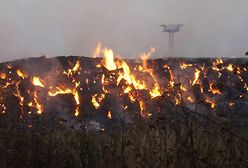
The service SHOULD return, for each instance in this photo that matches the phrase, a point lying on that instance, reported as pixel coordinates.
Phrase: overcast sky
(31, 28)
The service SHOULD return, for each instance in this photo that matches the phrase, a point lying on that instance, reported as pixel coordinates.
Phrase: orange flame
(3, 75)
(109, 62)
(38, 105)
(74, 92)
(184, 65)
(109, 115)
(73, 70)
(230, 67)
(196, 77)
(213, 90)
(21, 74)
(211, 102)
(96, 100)
(37, 82)
(97, 50)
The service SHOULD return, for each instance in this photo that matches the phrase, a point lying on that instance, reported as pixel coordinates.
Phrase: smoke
(31, 28)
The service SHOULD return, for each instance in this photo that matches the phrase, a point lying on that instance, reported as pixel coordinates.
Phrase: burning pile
(107, 89)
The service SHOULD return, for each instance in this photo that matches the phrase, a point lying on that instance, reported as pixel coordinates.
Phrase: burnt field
(106, 112)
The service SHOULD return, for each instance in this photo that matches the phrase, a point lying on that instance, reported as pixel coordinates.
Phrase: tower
(171, 29)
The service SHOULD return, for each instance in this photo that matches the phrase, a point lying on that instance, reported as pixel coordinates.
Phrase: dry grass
(167, 141)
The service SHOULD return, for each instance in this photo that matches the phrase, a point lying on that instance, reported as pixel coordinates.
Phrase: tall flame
(97, 51)
(38, 105)
(196, 77)
(109, 62)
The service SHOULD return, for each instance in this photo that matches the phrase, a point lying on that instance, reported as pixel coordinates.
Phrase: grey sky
(31, 28)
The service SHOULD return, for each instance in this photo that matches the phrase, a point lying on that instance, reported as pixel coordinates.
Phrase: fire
(230, 67)
(30, 104)
(216, 63)
(129, 78)
(97, 51)
(74, 92)
(231, 104)
(190, 99)
(109, 62)
(177, 101)
(37, 82)
(126, 75)
(182, 88)
(21, 74)
(60, 91)
(213, 90)
(96, 100)
(38, 105)
(171, 84)
(145, 56)
(155, 91)
(76, 97)
(141, 84)
(77, 111)
(109, 115)
(184, 65)
(3, 75)
(197, 75)
(142, 108)
(211, 102)
(76, 67)
(20, 97)
(73, 70)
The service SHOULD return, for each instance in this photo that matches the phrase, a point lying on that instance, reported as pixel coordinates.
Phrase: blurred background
(31, 28)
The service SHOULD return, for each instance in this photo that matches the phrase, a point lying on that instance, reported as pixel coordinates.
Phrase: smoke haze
(31, 28)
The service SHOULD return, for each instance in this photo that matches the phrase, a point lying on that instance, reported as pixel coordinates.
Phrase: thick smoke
(31, 28)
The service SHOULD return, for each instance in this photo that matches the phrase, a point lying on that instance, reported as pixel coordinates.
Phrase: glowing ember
(197, 75)
(38, 105)
(20, 97)
(3, 75)
(184, 65)
(109, 115)
(96, 100)
(60, 91)
(213, 90)
(37, 82)
(230, 67)
(21, 74)
(73, 70)
(142, 108)
(190, 99)
(211, 102)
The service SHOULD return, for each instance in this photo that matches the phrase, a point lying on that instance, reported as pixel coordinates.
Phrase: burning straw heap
(180, 112)
(76, 90)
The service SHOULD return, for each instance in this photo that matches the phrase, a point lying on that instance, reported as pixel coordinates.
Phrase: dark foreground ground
(165, 142)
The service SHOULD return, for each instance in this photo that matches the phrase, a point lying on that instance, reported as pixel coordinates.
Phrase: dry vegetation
(172, 139)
